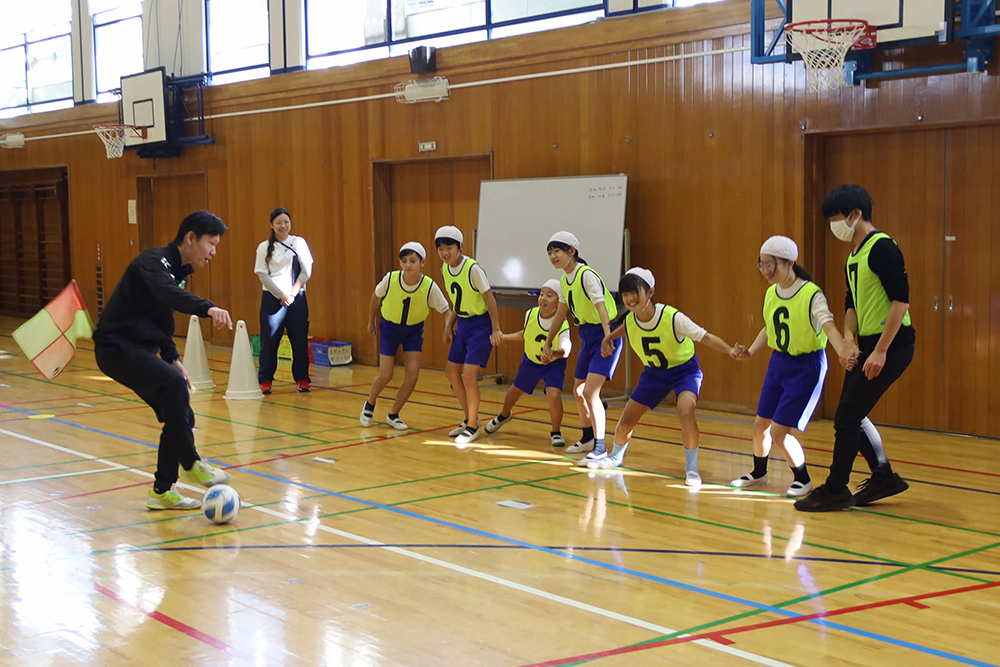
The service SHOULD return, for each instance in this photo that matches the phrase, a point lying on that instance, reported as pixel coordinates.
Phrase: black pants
(163, 388)
(857, 398)
(274, 320)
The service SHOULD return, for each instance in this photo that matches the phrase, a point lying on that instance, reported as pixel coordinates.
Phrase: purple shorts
(471, 344)
(792, 387)
(529, 373)
(590, 359)
(656, 383)
(410, 336)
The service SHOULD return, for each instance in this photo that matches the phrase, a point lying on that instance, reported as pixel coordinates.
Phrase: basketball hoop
(114, 136)
(824, 45)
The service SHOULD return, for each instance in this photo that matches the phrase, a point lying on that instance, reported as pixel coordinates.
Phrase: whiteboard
(518, 216)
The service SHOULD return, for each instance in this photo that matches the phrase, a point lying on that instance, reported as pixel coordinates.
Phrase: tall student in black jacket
(138, 323)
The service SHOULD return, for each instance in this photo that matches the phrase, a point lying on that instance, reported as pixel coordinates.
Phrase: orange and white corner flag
(49, 338)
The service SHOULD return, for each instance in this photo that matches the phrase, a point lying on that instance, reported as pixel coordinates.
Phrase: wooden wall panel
(971, 310)
(894, 167)
(714, 147)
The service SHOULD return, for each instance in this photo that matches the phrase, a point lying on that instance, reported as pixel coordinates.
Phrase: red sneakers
(265, 387)
(303, 386)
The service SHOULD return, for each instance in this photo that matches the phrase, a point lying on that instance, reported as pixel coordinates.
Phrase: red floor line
(721, 636)
(914, 463)
(171, 622)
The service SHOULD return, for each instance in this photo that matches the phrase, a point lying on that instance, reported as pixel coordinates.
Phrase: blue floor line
(570, 556)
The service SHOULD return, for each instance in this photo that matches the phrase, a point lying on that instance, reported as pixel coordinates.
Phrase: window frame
(94, 26)
(209, 72)
(27, 88)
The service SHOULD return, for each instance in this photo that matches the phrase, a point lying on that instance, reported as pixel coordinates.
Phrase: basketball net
(824, 45)
(113, 137)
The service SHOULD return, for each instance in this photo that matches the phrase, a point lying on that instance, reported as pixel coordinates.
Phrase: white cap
(781, 247)
(566, 237)
(553, 285)
(415, 247)
(645, 274)
(449, 232)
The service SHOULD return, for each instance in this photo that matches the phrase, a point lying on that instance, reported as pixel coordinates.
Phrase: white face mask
(842, 230)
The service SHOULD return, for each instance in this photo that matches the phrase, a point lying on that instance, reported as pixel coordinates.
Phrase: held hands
(288, 299)
(607, 347)
(179, 366)
(496, 337)
(547, 353)
(849, 358)
(740, 353)
(220, 318)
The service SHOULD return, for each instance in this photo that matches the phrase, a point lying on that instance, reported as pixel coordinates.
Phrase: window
(117, 43)
(238, 40)
(431, 17)
(36, 66)
(512, 10)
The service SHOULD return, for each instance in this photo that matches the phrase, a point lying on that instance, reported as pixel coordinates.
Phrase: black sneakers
(877, 487)
(825, 500)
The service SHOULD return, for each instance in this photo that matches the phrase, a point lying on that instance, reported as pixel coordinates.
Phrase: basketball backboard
(899, 22)
(143, 104)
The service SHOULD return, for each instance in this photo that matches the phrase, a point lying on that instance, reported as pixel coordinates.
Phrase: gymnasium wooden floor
(395, 551)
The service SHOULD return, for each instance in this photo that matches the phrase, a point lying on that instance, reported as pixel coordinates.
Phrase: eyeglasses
(768, 265)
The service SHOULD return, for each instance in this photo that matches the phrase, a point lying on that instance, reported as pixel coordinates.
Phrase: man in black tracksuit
(138, 323)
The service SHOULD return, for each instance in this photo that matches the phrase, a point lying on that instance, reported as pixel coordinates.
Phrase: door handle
(935, 303)
(951, 303)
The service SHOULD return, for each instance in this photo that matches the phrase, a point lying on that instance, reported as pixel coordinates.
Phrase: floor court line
(600, 564)
(718, 635)
(245, 467)
(184, 628)
(461, 569)
(608, 566)
(747, 453)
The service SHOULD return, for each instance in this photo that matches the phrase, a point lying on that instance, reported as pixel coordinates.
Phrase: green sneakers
(171, 500)
(203, 474)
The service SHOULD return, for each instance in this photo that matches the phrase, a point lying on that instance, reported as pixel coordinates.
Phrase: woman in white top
(284, 265)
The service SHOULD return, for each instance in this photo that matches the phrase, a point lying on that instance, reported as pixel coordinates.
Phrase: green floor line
(311, 497)
(753, 532)
(781, 605)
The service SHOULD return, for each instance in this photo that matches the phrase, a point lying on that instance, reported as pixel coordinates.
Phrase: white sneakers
(396, 423)
(692, 479)
(580, 446)
(798, 489)
(468, 435)
(749, 480)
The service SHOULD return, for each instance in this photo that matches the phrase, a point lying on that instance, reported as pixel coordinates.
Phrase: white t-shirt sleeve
(685, 327)
(260, 268)
(383, 286)
(479, 280)
(436, 299)
(527, 314)
(565, 342)
(593, 287)
(820, 311)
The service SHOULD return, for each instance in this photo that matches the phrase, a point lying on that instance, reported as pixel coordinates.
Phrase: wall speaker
(423, 59)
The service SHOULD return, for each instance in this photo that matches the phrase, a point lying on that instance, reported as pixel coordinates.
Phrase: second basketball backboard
(899, 22)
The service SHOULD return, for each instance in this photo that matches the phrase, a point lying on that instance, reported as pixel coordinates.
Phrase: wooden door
(424, 196)
(163, 202)
(970, 300)
(904, 172)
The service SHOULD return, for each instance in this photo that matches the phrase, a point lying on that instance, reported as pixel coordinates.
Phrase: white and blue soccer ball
(221, 503)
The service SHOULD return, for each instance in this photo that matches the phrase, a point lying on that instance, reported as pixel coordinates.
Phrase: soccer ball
(221, 503)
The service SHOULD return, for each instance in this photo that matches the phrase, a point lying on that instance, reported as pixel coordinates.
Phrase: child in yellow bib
(404, 298)
(586, 299)
(476, 332)
(663, 338)
(537, 324)
(797, 324)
